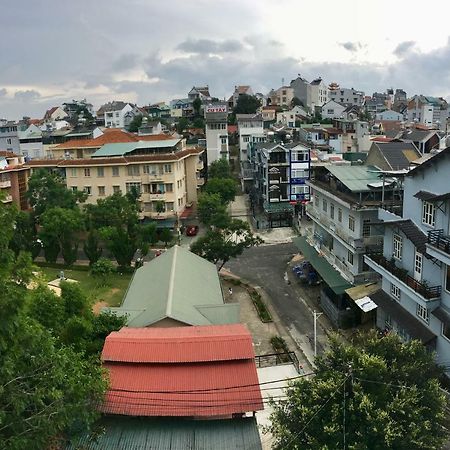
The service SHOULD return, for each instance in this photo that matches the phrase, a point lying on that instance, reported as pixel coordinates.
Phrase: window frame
(428, 214)
(423, 313)
(351, 223)
(395, 292)
(397, 246)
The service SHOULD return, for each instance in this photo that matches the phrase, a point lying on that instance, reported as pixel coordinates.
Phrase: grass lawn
(111, 294)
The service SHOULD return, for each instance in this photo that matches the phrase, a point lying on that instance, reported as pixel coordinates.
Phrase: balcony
(149, 196)
(439, 240)
(7, 199)
(421, 288)
(151, 177)
(5, 184)
(200, 181)
(200, 165)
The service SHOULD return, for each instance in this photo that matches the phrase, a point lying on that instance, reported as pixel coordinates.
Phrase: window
(101, 191)
(9, 141)
(168, 168)
(351, 223)
(340, 214)
(388, 322)
(446, 331)
(366, 228)
(169, 206)
(115, 171)
(223, 140)
(350, 257)
(428, 214)
(130, 186)
(324, 205)
(73, 172)
(87, 172)
(332, 210)
(299, 189)
(418, 262)
(246, 139)
(100, 172)
(133, 171)
(316, 201)
(447, 279)
(299, 173)
(398, 247)
(395, 291)
(88, 190)
(74, 188)
(423, 313)
(116, 189)
(169, 187)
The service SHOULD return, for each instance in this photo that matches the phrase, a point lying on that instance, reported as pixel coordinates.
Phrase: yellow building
(165, 172)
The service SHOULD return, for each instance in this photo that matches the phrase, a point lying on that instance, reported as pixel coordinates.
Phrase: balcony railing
(5, 184)
(438, 239)
(421, 288)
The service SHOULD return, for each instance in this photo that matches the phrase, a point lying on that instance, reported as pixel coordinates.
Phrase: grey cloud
(3, 92)
(351, 46)
(403, 48)
(126, 61)
(27, 96)
(208, 46)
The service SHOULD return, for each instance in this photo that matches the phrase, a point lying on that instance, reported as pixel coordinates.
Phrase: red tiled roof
(180, 344)
(182, 371)
(232, 128)
(196, 389)
(111, 136)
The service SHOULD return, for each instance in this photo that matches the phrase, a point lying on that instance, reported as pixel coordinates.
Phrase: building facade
(345, 96)
(9, 136)
(415, 263)
(216, 120)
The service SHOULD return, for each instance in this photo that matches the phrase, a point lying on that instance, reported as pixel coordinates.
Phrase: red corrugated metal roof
(179, 344)
(200, 389)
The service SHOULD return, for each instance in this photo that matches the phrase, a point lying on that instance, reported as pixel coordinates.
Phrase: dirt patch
(98, 307)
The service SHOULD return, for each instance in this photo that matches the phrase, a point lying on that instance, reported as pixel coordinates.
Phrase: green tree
(197, 104)
(51, 246)
(25, 236)
(160, 206)
(102, 270)
(212, 210)
(47, 190)
(134, 125)
(47, 308)
(219, 169)
(166, 236)
(225, 187)
(182, 124)
(246, 104)
(384, 393)
(92, 248)
(198, 123)
(222, 244)
(120, 243)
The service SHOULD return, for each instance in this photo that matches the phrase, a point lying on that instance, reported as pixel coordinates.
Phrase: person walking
(230, 291)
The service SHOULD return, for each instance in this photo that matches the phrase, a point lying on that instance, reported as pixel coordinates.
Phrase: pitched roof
(398, 155)
(180, 344)
(429, 162)
(178, 285)
(355, 178)
(132, 433)
(411, 231)
(172, 372)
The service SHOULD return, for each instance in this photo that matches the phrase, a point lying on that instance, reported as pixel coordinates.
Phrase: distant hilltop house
(55, 113)
(238, 91)
(201, 92)
(118, 114)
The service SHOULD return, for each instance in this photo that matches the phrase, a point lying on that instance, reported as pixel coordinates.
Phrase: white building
(429, 111)
(216, 119)
(250, 129)
(332, 110)
(389, 115)
(289, 117)
(118, 114)
(31, 142)
(318, 94)
(345, 96)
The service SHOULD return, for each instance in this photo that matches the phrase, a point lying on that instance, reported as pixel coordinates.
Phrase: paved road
(266, 266)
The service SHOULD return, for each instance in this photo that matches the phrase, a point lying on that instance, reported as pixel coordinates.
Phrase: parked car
(191, 230)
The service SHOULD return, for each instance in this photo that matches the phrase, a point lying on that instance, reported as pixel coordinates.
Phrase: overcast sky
(150, 50)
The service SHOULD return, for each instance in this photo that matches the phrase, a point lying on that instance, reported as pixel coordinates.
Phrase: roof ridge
(171, 282)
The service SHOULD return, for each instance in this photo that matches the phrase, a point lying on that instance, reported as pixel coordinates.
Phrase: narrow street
(266, 266)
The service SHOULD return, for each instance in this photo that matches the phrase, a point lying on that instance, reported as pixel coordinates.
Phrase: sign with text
(216, 109)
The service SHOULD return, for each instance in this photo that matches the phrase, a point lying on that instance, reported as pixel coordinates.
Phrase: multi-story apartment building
(318, 94)
(345, 96)
(30, 141)
(13, 179)
(415, 263)
(118, 114)
(282, 96)
(429, 111)
(9, 136)
(166, 174)
(216, 119)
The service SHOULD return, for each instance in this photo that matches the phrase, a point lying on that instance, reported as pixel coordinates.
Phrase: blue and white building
(415, 264)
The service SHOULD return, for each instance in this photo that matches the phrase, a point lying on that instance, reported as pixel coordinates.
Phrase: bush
(278, 343)
(260, 306)
(102, 269)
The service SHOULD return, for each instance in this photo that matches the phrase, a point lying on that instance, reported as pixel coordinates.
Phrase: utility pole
(316, 316)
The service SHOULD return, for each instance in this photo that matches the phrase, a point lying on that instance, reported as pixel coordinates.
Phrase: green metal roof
(329, 274)
(127, 433)
(277, 207)
(355, 178)
(178, 285)
(122, 148)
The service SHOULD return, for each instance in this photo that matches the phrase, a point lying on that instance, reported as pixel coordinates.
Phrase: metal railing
(421, 288)
(438, 239)
(275, 359)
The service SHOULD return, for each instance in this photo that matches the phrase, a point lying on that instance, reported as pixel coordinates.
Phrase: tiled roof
(425, 164)
(187, 371)
(398, 155)
(180, 344)
(111, 136)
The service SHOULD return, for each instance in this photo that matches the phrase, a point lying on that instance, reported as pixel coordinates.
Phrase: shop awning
(329, 274)
(412, 325)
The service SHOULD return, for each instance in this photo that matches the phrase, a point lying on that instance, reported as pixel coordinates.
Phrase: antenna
(282, 81)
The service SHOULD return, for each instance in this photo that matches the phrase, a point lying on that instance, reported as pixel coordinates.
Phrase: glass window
(133, 170)
(74, 188)
(340, 214)
(428, 214)
(447, 279)
(116, 189)
(115, 171)
(169, 206)
(350, 257)
(73, 172)
(100, 172)
(366, 228)
(332, 210)
(168, 168)
(395, 291)
(101, 191)
(88, 190)
(324, 205)
(130, 186)
(398, 247)
(351, 223)
(169, 187)
(423, 313)
(87, 172)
